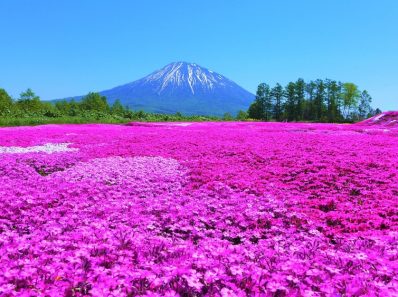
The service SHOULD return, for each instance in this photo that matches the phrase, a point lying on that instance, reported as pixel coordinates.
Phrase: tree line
(29, 109)
(29, 104)
(315, 101)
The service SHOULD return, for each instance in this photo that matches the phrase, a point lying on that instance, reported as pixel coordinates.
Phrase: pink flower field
(199, 209)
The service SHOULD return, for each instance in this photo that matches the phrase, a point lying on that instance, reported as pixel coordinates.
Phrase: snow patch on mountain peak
(190, 75)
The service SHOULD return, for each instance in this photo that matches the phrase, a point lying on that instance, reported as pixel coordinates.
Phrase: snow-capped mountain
(179, 76)
(182, 87)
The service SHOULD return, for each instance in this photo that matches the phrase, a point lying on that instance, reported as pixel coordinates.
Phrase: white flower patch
(173, 124)
(376, 118)
(48, 148)
(146, 177)
(182, 124)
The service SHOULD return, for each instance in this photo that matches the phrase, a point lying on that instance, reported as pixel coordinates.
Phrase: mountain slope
(182, 87)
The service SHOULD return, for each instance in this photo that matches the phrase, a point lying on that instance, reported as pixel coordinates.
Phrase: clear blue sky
(70, 47)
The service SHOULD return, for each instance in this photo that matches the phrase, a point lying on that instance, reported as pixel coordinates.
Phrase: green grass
(33, 121)
(108, 119)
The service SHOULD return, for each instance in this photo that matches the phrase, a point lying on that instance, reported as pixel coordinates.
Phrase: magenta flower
(205, 209)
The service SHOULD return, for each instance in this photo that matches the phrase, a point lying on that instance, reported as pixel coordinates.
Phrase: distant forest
(29, 105)
(315, 101)
(28, 109)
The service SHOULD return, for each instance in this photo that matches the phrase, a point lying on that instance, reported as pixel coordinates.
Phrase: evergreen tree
(339, 101)
(261, 108)
(277, 96)
(309, 110)
(255, 111)
(376, 112)
(263, 97)
(332, 100)
(290, 101)
(267, 103)
(299, 99)
(319, 100)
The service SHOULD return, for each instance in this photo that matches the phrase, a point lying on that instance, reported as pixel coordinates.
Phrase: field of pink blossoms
(201, 209)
